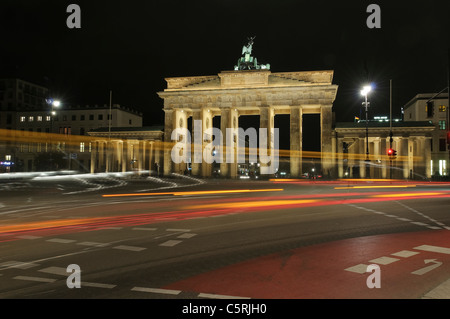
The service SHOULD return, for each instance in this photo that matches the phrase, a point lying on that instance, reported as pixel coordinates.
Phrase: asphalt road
(183, 238)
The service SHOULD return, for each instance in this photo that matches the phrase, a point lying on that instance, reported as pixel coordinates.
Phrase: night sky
(129, 47)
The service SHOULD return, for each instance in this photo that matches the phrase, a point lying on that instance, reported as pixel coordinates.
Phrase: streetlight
(52, 103)
(364, 92)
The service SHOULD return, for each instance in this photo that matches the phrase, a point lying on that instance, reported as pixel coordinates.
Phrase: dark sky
(131, 46)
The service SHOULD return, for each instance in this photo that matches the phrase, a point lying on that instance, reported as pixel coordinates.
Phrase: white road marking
(96, 285)
(178, 230)
(384, 260)
(405, 253)
(39, 279)
(187, 235)
(131, 248)
(143, 228)
(28, 237)
(55, 271)
(17, 264)
(94, 244)
(424, 270)
(404, 219)
(419, 223)
(420, 214)
(61, 240)
(440, 292)
(171, 243)
(360, 269)
(214, 296)
(110, 228)
(434, 249)
(157, 290)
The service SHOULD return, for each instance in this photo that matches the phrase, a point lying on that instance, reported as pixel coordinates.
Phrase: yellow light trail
(253, 204)
(408, 194)
(236, 191)
(46, 225)
(377, 186)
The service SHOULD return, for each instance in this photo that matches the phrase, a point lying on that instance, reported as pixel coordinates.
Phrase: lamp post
(364, 92)
(52, 103)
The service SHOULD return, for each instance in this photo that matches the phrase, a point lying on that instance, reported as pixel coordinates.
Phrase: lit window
(90, 147)
(82, 147)
(22, 119)
(31, 119)
(48, 118)
(442, 125)
(442, 108)
(442, 167)
(7, 157)
(39, 118)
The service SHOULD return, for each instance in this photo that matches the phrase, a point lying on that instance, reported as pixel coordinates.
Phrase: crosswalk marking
(384, 260)
(360, 269)
(435, 249)
(405, 253)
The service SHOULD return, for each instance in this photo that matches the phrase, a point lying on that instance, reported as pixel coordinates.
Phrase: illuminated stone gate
(250, 89)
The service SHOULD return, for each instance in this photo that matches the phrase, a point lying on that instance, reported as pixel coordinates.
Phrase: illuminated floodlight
(366, 90)
(56, 103)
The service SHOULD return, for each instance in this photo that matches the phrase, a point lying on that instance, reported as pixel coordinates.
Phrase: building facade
(28, 144)
(231, 94)
(410, 140)
(126, 149)
(435, 109)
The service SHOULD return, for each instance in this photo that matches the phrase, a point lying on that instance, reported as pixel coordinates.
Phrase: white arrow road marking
(428, 268)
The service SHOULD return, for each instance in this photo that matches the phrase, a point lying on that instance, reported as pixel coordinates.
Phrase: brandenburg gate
(250, 89)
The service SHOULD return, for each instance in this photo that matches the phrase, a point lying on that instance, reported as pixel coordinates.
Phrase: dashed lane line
(215, 296)
(130, 248)
(39, 279)
(29, 237)
(55, 271)
(61, 240)
(186, 235)
(97, 285)
(402, 219)
(157, 290)
(93, 244)
(171, 243)
(17, 264)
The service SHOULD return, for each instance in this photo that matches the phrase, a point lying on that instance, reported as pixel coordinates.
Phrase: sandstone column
(168, 128)
(326, 123)
(266, 120)
(296, 141)
(94, 157)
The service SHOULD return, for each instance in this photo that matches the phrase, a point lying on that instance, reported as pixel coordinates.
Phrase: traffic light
(392, 153)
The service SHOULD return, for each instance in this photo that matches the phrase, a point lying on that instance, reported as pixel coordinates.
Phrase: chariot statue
(247, 61)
